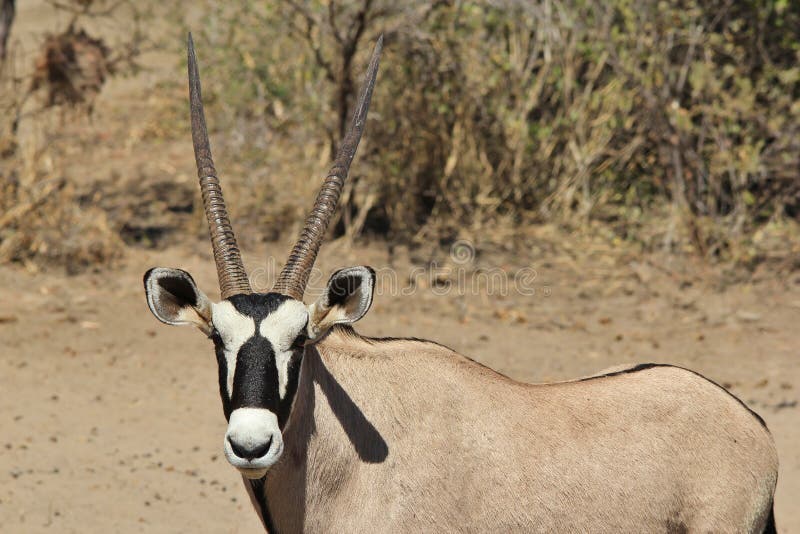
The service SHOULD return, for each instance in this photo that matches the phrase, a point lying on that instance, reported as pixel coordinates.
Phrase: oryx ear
(174, 299)
(346, 300)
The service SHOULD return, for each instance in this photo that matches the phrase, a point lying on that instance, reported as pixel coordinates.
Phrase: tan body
(339, 433)
(408, 436)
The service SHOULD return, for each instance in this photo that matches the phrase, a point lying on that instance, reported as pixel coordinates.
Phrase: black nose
(250, 453)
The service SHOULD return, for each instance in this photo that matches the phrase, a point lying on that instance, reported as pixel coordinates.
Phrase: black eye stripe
(222, 365)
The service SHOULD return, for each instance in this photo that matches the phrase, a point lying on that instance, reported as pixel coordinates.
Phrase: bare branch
(7, 12)
(308, 35)
(86, 9)
(334, 28)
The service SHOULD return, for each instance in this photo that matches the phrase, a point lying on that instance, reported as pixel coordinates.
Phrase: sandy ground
(112, 422)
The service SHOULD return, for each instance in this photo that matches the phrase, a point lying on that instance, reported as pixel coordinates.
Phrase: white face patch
(281, 328)
(234, 329)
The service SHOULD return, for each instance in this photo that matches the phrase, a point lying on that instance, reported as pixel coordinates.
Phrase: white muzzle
(253, 442)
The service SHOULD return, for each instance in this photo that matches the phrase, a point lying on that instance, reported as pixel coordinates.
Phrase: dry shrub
(677, 125)
(44, 225)
(7, 13)
(71, 67)
(578, 111)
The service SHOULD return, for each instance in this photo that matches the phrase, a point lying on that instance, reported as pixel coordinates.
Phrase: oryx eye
(301, 338)
(214, 335)
(299, 341)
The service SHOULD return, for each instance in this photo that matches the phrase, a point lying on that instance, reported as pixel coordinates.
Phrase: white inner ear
(190, 315)
(281, 328)
(234, 329)
(316, 314)
(168, 308)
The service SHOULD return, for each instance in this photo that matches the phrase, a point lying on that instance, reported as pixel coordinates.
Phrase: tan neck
(327, 431)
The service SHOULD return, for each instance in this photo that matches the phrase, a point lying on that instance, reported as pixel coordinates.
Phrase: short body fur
(339, 433)
(408, 436)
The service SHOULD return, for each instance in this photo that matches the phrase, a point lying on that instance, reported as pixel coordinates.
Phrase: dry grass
(518, 113)
(488, 121)
(44, 225)
(71, 68)
(43, 221)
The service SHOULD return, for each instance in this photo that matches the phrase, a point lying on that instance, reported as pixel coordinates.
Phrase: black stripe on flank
(378, 340)
(644, 366)
(634, 369)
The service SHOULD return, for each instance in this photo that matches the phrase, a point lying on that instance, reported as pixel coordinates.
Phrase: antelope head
(260, 338)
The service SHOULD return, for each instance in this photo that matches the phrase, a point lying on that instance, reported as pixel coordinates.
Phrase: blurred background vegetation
(662, 126)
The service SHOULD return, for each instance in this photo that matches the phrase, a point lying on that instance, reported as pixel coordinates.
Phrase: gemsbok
(337, 432)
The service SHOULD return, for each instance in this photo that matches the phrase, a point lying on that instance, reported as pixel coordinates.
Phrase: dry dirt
(112, 423)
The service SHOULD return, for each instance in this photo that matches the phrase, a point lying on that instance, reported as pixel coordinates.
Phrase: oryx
(336, 432)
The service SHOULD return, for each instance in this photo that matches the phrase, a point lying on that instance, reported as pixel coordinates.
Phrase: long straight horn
(294, 276)
(230, 270)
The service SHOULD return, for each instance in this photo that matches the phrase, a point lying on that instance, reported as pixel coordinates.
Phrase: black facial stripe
(222, 365)
(292, 378)
(255, 381)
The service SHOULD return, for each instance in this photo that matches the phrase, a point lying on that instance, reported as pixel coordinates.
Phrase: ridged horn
(294, 276)
(230, 270)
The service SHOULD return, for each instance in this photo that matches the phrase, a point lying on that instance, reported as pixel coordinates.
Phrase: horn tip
(372, 69)
(192, 59)
(194, 75)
